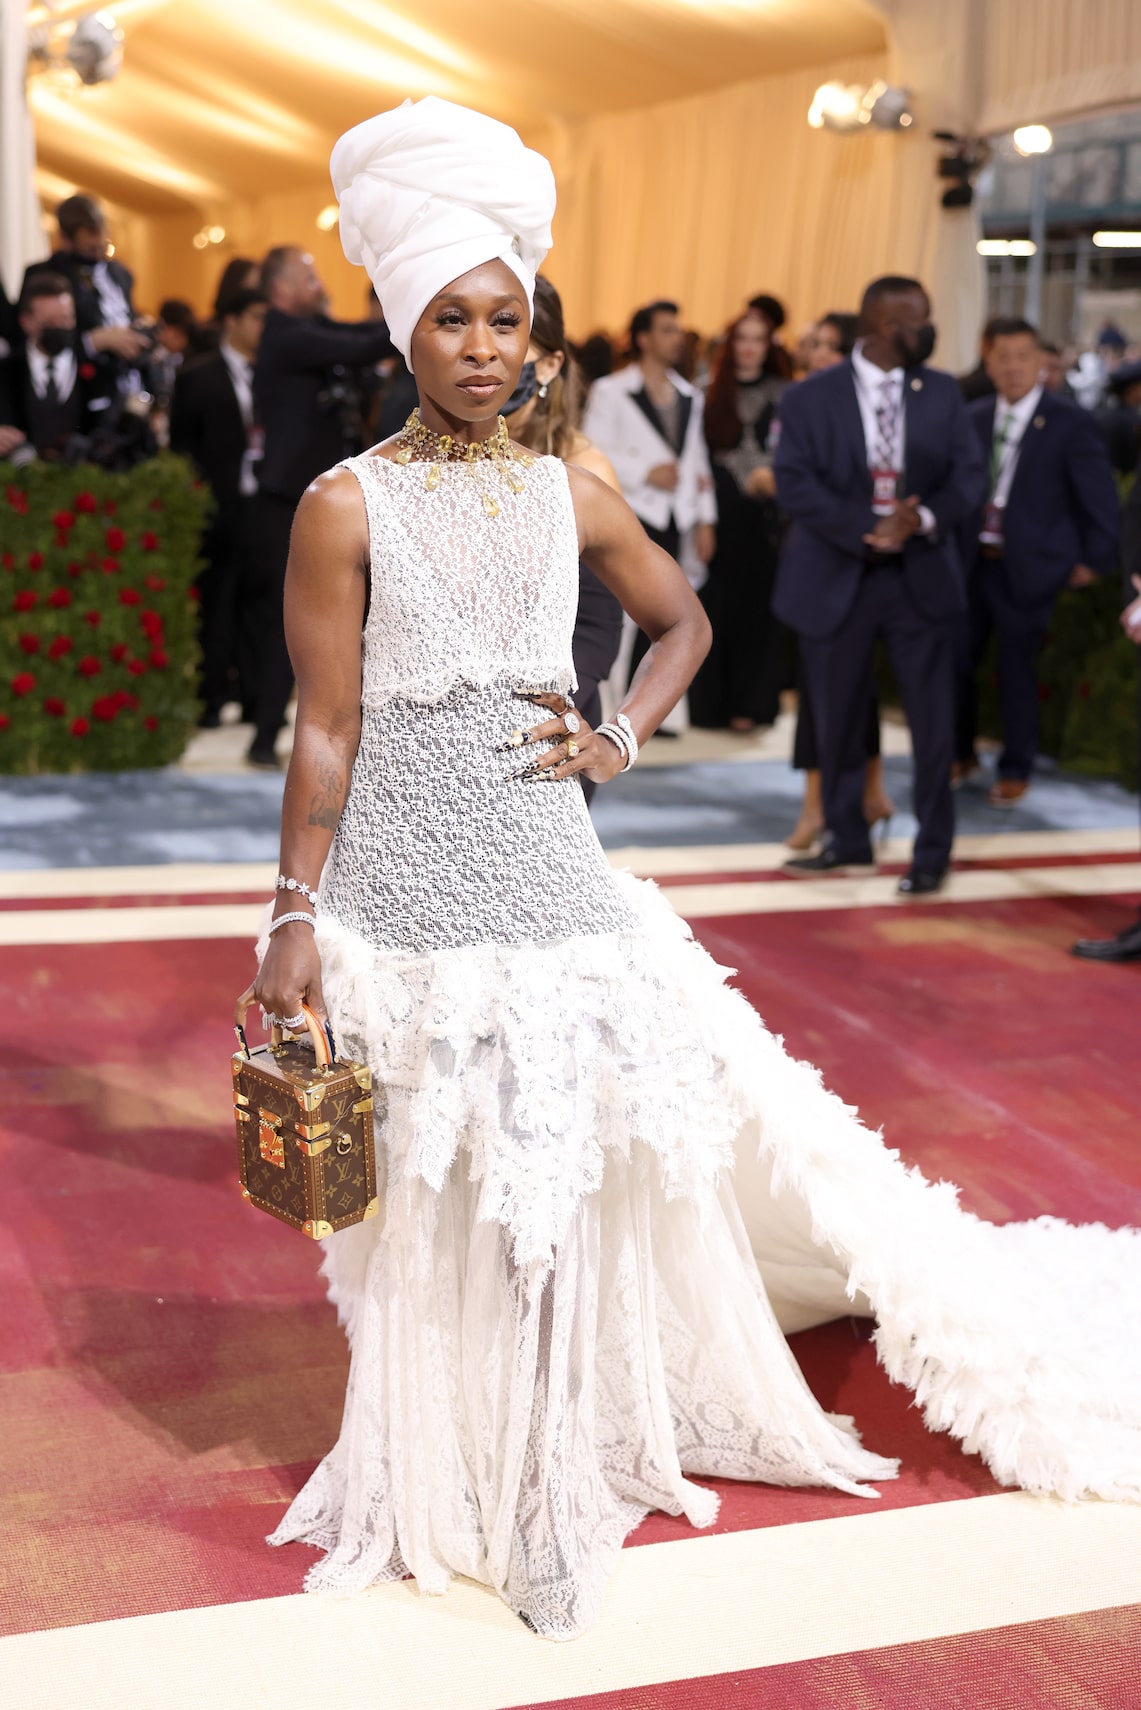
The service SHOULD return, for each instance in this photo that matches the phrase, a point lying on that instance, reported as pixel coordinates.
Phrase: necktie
(887, 416)
(997, 447)
(51, 386)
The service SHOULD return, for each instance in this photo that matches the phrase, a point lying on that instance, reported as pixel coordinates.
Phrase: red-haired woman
(739, 685)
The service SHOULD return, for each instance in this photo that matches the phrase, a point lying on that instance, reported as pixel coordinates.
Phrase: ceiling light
(1033, 139)
(328, 217)
(836, 106)
(1117, 240)
(216, 234)
(1006, 246)
(886, 106)
(200, 240)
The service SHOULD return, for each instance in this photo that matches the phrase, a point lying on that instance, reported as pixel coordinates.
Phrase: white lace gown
(606, 1189)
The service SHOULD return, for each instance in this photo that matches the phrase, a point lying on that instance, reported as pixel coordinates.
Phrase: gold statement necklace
(420, 444)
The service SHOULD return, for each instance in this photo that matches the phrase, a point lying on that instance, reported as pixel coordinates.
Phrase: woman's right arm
(325, 586)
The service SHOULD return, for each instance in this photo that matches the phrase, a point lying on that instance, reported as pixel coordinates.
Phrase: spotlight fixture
(887, 107)
(836, 107)
(1033, 139)
(961, 162)
(95, 50)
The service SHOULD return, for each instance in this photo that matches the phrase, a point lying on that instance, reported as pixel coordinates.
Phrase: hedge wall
(98, 644)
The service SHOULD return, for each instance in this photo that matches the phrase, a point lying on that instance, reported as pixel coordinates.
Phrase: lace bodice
(462, 597)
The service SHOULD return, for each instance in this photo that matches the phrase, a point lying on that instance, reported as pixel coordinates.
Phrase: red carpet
(1087, 1662)
(170, 1371)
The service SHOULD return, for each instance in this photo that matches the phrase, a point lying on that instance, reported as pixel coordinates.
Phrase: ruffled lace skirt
(607, 1189)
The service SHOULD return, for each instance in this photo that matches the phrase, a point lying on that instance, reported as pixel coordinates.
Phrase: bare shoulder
(334, 497)
(586, 455)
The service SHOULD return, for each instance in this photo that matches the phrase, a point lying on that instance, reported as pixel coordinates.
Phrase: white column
(21, 226)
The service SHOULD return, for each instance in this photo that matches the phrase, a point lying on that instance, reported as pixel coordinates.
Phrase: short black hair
(643, 319)
(42, 283)
(239, 301)
(79, 214)
(1008, 326)
(276, 263)
(770, 309)
(847, 329)
(176, 313)
(1049, 347)
(891, 285)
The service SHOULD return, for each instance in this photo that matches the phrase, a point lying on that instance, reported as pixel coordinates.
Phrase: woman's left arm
(661, 602)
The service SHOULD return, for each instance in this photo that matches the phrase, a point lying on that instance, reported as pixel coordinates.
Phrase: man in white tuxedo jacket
(648, 421)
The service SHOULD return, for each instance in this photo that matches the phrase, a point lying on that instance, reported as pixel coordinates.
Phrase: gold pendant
(404, 455)
(490, 505)
(432, 478)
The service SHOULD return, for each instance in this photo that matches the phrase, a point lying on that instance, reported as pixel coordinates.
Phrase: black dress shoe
(1126, 947)
(265, 758)
(917, 883)
(826, 865)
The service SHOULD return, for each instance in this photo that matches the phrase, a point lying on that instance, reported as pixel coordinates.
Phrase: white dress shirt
(65, 371)
(241, 372)
(871, 387)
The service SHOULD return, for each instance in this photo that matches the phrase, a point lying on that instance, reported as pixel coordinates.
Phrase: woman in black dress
(739, 685)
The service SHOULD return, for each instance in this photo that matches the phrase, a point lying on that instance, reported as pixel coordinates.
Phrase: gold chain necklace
(420, 444)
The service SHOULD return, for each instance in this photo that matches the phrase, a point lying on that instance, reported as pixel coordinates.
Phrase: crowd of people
(823, 498)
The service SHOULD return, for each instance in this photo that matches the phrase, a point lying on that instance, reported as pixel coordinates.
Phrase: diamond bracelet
(307, 891)
(621, 741)
(624, 725)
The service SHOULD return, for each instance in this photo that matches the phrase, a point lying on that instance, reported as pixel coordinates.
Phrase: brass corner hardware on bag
(316, 1228)
(363, 1105)
(363, 1076)
(370, 1210)
(314, 1148)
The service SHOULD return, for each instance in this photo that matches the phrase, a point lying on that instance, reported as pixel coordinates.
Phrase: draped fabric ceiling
(676, 128)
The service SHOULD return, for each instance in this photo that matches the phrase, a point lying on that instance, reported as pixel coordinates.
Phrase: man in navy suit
(1049, 521)
(877, 467)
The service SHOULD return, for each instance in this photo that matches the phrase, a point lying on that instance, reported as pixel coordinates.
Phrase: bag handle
(320, 1032)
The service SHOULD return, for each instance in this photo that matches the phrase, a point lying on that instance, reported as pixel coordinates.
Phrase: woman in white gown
(561, 1311)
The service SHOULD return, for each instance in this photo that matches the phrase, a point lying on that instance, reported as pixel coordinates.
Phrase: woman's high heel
(808, 832)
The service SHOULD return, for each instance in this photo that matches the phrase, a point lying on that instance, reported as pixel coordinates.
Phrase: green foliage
(98, 643)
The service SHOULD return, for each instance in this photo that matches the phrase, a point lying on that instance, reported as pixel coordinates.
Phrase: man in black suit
(102, 286)
(309, 386)
(1049, 519)
(212, 423)
(52, 392)
(877, 468)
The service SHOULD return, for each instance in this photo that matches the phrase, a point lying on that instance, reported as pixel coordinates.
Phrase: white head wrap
(431, 190)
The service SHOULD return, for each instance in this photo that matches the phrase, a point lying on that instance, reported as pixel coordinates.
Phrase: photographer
(101, 287)
(55, 399)
(310, 383)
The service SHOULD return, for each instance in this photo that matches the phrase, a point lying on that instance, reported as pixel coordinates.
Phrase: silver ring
(293, 1020)
(568, 703)
(572, 721)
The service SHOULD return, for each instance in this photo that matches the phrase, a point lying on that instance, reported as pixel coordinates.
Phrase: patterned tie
(887, 420)
(51, 385)
(997, 447)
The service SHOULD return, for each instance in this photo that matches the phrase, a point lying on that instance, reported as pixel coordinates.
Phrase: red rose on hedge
(109, 508)
(61, 645)
(159, 659)
(18, 500)
(23, 684)
(93, 618)
(115, 540)
(75, 569)
(79, 727)
(150, 542)
(8, 560)
(152, 624)
(151, 722)
(120, 651)
(110, 566)
(87, 371)
(5, 721)
(156, 505)
(192, 594)
(35, 560)
(55, 707)
(30, 643)
(59, 597)
(86, 502)
(63, 520)
(158, 583)
(129, 597)
(136, 667)
(89, 666)
(25, 601)
(105, 708)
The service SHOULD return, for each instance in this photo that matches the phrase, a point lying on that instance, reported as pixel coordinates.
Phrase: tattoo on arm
(326, 803)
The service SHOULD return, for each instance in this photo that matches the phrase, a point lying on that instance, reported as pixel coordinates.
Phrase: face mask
(525, 388)
(53, 341)
(918, 347)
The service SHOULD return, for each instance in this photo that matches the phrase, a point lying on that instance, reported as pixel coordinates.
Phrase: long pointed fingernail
(515, 740)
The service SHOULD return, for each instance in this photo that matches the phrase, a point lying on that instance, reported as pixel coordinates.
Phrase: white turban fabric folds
(431, 190)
